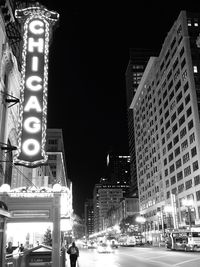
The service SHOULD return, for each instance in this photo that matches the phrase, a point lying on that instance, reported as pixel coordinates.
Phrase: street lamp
(188, 203)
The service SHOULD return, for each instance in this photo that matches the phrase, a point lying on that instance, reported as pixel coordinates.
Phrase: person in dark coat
(9, 250)
(73, 252)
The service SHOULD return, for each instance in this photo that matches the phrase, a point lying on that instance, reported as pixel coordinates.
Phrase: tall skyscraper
(89, 217)
(166, 110)
(135, 69)
(118, 167)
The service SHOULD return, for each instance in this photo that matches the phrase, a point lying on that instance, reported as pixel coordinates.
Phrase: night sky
(87, 94)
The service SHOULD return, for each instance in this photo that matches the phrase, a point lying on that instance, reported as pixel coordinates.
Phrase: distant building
(166, 110)
(118, 168)
(139, 58)
(105, 197)
(89, 217)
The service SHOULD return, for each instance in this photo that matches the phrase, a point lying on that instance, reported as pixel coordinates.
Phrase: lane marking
(183, 262)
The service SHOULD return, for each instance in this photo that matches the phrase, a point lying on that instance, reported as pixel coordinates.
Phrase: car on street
(104, 248)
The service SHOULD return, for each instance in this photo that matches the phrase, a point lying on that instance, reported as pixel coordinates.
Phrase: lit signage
(37, 26)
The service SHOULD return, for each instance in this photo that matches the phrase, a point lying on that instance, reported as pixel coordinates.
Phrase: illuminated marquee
(37, 24)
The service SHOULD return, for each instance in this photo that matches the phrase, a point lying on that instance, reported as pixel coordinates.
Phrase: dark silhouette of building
(118, 168)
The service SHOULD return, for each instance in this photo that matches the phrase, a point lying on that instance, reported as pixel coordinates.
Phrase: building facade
(105, 197)
(135, 69)
(89, 217)
(166, 110)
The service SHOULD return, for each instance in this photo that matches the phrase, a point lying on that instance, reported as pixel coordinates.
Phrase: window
(186, 86)
(188, 184)
(190, 125)
(198, 195)
(179, 176)
(184, 145)
(169, 134)
(180, 108)
(167, 125)
(171, 156)
(172, 168)
(189, 111)
(174, 128)
(173, 117)
(176, 139)
(165, 161)
(168, 194)
(187, 171)
(171, 95)
(183, 132)
(192, 138)
(181, 120)
(186, 158)
(167, 183)
(184, 75)
(174, 190)
(169, 146)
(182, 51)
(175, 64)
(180, 188)
(173, 180)
(173, 43)
(195, 165)
(177, 86)
(183, 63)
(165, 104)
(169, 75)
(177, 151)
(163, 140)
(194, 151)
(187, 99)
(166, 114)
(197, 180)
(164, 94)
(166, 172)
(178, 164)
(195, 69)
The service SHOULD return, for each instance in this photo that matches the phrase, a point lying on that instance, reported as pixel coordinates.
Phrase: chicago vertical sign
(37, 25)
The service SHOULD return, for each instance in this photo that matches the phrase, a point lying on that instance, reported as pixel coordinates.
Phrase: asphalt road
(137, 257)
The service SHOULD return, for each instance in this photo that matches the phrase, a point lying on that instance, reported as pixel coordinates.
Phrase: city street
(139, 257)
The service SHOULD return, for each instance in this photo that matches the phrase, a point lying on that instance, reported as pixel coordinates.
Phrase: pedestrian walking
(73, 252)
(21, 248)
(9, 250)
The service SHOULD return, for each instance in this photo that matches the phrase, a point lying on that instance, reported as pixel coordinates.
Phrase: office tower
(89, 217)
(106, 196)
(118, 168)
(138, 60)
(166, 110)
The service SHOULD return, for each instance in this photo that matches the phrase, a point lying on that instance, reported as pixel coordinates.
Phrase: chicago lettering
(32, 124)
